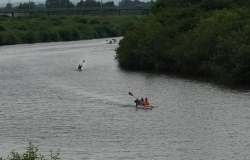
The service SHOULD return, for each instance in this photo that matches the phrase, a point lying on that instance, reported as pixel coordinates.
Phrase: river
(89, 114)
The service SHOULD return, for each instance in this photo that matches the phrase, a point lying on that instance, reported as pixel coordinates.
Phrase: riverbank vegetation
(31, 154)
(18, 30)
(194, 37)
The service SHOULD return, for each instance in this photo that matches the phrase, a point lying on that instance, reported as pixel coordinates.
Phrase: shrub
(100, 30)
(2, 18)
(65, 34)
(2, 28)
(62, 17)
(1, 40)
(111, 31)
(21, 27)
(56, 21)
(10, 39)
(94, 21)
(83, 21)
(54, 36)
(75, 34)
(106, 23)
(31, 154)
(31, 37)
(42, 17)
(44, 36)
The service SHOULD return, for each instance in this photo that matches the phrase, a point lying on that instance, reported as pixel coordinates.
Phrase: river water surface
(89, 115)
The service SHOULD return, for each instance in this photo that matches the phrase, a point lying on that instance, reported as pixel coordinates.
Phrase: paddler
(145, 102)
(79, 66)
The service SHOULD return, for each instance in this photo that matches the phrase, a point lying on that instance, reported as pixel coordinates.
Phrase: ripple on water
(89, 114)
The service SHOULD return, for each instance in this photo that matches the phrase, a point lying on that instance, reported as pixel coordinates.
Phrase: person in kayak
(79, 66)
(145, 102)
(138, 102)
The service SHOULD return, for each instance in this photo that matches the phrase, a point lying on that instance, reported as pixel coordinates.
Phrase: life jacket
(145, 102)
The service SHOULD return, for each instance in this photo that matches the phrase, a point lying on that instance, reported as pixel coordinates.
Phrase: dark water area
(88, 114)
(219, 82)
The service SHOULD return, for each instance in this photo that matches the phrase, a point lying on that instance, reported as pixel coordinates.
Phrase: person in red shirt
(145, 102)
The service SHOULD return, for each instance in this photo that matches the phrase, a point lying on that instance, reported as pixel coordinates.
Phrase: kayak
(144, 107)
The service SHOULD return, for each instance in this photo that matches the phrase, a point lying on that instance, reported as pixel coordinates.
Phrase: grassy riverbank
(20, 30)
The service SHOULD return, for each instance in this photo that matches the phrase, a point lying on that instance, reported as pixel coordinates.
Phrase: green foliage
(65, 34)
(44, 36)
(54, 36)
(215, 4)
(94, 21)
(26, 5)
(100, 31)
(75, 34)
(1, 39)
(20, 27)
(111, 32)
(2, 18)
(28, 37)
(106, 23)
(62, 28)
(241, 71)
(56, 21)
(42, 17)
(199, 37)
(11, 39)
(58, 4)
(83, 21)
(2, 28)
(31, 154)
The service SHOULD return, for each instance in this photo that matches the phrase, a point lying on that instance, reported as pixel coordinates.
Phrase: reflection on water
(89, 114)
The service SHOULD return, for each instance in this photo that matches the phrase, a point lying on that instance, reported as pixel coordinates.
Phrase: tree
(27, 5)
(40, 5)
(58, 4)
(92, 3)
(8, 6)
(52, 3)
(80, 4)
(108, 4)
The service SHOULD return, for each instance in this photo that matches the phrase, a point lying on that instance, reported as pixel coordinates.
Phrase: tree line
(69, 4)
(195, 37)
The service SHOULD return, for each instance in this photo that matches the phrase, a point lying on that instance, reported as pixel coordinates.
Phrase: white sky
(43, 1)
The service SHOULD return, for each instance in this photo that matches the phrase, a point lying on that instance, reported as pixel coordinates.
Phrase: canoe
(144, 107)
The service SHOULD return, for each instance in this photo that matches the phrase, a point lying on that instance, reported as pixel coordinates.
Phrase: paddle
(131, 94)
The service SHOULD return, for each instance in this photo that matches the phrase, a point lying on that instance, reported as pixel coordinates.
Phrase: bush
(1, 40)
(75, 34)
(30, 37)
(100, 30)
(42, 17)
(106, 23)
(21, 27)
(54, 36)
(83, 21)
(94, 21)
(65, 34)
(11, 39)
(56, 21)
(44, 36)
(111, 31)
(31, 154)
(2, 28)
